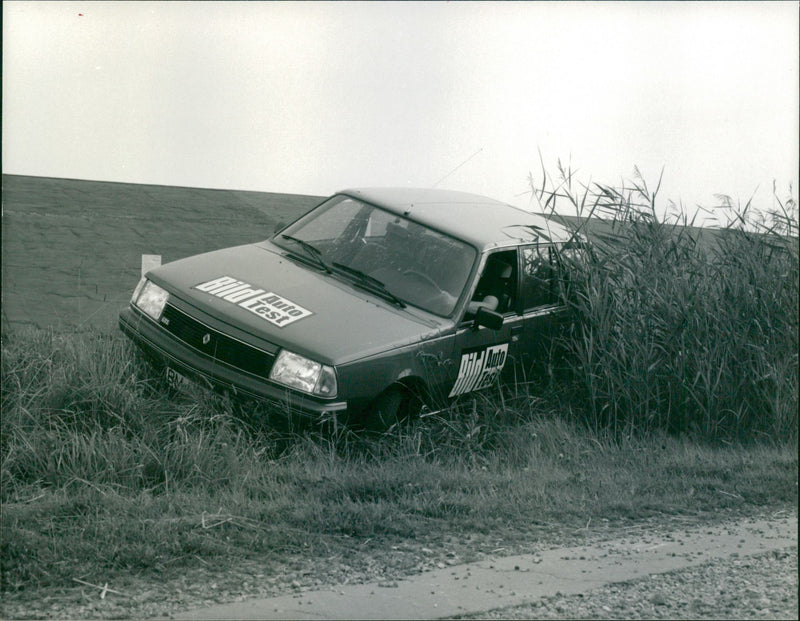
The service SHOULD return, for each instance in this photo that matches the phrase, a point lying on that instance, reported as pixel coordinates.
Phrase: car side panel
(427, 364)
(541, 325)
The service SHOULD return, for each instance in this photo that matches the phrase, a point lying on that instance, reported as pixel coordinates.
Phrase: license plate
(177, 380)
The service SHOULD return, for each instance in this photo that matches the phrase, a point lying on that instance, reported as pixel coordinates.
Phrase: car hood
(259, 289)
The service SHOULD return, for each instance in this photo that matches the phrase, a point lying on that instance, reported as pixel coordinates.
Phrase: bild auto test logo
(479, 368)
(268, 305)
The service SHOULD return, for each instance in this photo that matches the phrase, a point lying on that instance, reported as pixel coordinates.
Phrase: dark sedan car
(375, 300)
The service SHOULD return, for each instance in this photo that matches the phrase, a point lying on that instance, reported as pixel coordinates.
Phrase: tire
(387, 410)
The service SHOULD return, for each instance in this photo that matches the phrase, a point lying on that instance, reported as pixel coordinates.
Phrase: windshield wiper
(370, 283)
(311, 250)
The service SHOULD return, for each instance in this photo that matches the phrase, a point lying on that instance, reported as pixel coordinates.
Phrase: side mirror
(489, 319)
(279, 226)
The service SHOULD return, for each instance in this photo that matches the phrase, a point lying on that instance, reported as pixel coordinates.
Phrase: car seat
(494, 290)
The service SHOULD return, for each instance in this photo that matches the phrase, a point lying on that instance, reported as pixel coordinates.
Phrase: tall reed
(680, 328)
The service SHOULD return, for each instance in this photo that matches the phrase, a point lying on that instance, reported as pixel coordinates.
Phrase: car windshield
(384, 252)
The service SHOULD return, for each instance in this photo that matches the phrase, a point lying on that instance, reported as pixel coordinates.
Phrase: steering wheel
(425, 278)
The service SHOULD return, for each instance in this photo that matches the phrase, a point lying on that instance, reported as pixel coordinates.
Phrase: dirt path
(754, 587)
(475, 588)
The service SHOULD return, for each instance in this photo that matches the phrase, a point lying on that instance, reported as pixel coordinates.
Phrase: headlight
(304, 374)
(150, 298)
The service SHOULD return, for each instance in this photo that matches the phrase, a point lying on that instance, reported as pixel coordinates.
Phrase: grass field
(679, 402)
(72, 249)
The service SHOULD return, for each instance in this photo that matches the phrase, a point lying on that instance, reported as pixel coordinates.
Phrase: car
(373, 303)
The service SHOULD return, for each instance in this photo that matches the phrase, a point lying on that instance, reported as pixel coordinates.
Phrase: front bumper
(161, 346)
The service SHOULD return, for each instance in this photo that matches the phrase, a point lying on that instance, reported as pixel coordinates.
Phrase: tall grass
(105, 475)
(678, 328)
(84, 407)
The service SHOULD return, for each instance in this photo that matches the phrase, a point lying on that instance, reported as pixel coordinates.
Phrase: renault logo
(206, 339)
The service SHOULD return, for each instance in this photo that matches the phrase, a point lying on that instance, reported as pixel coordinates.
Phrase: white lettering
(268, 305)
(254, 302)
(237, 284)
(479, 369)
(240, 296)
(213, 284)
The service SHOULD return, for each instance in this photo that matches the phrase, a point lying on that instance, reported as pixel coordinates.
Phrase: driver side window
(497, 286)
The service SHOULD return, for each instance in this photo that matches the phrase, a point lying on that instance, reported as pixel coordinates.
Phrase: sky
(314, 97)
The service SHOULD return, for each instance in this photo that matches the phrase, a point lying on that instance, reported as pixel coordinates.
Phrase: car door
(539, 305)
(482, 353)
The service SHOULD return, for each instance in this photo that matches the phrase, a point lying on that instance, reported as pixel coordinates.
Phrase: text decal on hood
(268, 305)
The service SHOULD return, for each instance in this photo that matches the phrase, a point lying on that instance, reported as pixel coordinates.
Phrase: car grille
(216, 345)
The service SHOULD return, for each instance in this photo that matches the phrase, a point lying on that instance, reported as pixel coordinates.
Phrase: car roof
(484, 222)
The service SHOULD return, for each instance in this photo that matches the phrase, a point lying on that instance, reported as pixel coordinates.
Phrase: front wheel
(393, 406)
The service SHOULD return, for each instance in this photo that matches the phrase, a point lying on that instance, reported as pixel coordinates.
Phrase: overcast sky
(313, 97)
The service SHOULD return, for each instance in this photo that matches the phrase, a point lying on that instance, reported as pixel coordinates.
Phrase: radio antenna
(457, 167)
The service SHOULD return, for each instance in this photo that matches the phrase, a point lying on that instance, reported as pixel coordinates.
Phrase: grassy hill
(72, 249)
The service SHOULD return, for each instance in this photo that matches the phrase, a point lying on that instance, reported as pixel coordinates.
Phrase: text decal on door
(480, 368)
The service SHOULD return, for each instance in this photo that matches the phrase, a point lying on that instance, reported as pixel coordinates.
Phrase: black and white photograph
(400, 310)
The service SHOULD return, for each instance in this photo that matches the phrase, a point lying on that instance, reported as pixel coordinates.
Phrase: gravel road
(754, 587)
